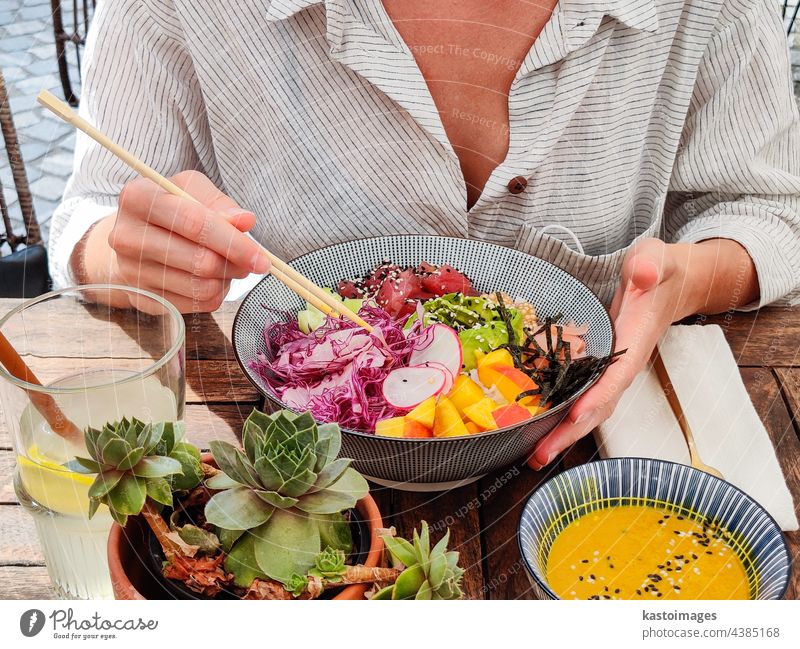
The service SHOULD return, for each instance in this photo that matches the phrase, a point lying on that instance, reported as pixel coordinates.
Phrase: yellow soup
(639, 552)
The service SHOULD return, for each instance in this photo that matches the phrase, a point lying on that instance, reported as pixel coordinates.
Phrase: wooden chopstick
(42, 401)
(282, 271)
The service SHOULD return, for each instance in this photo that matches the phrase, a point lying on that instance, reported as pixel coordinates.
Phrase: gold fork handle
(674, 403)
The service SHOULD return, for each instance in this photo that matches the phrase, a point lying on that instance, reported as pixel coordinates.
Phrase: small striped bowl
(431, 464)
(555, 504)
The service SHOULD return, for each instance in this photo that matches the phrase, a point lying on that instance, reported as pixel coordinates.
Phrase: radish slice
(407, 387)
(440, 345)
(450, 379)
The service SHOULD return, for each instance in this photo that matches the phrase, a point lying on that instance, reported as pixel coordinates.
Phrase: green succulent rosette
(329, 565)
(429, 573)
(134, 460)
(281, 495)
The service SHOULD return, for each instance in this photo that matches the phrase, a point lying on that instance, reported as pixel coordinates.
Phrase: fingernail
(583, 417)
(533, 463)
(536, 464)
(260, 263)
(234, 212)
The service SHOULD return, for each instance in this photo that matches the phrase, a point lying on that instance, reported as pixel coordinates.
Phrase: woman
(650, 147)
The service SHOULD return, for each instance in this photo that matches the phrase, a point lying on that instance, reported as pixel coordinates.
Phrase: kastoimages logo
(31, 622)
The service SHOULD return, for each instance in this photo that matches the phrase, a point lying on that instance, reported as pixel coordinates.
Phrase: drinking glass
(101, 353)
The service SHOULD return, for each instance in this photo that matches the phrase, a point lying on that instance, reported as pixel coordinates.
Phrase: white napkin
(727, 430)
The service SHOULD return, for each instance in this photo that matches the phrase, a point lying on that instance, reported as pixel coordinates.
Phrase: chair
(794, 15)
(81, 14)
(23, 272)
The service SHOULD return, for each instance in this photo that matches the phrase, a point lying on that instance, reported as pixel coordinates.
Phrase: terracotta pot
(130, 576)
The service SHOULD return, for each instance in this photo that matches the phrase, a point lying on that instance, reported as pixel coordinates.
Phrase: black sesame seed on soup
(640, 552)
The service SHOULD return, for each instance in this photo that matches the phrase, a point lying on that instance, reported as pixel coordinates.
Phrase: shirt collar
(638, 14)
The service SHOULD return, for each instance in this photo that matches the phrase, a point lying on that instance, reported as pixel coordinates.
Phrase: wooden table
(482, 516)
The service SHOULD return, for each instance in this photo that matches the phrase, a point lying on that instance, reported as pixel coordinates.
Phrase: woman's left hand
(655, 290)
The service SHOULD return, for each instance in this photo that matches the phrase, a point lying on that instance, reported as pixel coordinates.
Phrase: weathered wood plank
(208, 335)
(206, 380)
(25, 582)
(764, 391)
(789, 379)
(7, 478)
(503, 495)
(765, 338)
(217, 381)
(456, 509)
(204, 422)
(19, 544)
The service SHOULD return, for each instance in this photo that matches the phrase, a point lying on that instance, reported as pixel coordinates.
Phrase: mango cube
(509, 381)
(392, 427)
(465, 392)
(447, 422)
(510, 415)
(534, 410)
(497, 357)
(480, 413)
(415, 429)
(424, 413)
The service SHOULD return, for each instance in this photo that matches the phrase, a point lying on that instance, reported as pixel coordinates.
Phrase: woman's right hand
(186, 252)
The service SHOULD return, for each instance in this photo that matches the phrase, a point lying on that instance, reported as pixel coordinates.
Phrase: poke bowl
(439, 456)
(637, 528)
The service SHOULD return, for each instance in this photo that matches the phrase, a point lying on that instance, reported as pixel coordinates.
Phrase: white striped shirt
(628, 118)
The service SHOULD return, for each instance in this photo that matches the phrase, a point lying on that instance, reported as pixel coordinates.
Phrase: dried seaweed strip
(512, 347)
(548, 335)
(559, 341)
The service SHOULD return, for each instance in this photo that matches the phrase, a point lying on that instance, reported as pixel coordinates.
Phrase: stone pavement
(28, 61)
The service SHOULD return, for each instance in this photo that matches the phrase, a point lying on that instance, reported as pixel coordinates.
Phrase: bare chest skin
(469, 52)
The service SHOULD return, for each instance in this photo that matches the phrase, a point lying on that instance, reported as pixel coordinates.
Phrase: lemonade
(75, 546)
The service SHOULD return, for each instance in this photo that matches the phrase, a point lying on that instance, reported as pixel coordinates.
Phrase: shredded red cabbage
(337, 370)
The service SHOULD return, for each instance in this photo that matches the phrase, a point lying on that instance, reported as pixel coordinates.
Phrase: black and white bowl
(567, 496)
(432, 464)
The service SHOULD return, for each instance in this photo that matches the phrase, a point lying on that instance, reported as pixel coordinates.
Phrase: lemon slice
(52, 486)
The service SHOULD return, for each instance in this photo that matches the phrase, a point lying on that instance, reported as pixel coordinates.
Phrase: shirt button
(517, 184)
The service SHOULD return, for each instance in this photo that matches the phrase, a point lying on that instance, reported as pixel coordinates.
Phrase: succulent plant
(283, 488)
(429, 573)
(329, 565)
(297, 585)
(134, 460)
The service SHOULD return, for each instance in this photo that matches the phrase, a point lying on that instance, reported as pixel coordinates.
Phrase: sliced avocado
(488, 337)
(354, 304)
(312, 318)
